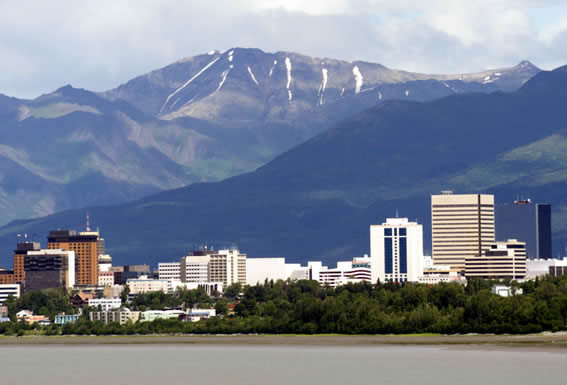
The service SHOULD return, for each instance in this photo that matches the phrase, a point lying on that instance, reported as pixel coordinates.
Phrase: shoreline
(550, 342)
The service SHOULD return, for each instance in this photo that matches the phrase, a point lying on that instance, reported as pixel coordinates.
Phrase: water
(275, 365)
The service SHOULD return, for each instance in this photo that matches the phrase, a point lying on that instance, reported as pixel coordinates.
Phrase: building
(541, 267)
(104, 262)
(105, 278)
(152, 315)
(17, 275)
(169, 271)
(143, 284)
(62, 318)
(48, 269)
(195, 315)
(8, 289)
(396, 251)
(227, 266)
(435, 274)
(462, 225)
(124, 273)
(258, 270)
(105, 304)
(355, 271)
(530, 222)
(28, 317)
(500, 260)
(505, 291)
(86, 246)
(120, 316)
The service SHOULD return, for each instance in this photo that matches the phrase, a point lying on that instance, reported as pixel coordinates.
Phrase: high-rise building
(49, 269)
(528, 222)
(226, 266)
(396, 251)
(17, 274)
(462, 225)
(86, 246)
(500, 260)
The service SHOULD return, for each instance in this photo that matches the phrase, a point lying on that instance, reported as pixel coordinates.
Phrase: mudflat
(539, 342)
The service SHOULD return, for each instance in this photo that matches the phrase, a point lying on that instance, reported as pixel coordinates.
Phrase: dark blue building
(527, 222)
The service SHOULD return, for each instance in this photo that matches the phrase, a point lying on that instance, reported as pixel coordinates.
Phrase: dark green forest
(305, 307)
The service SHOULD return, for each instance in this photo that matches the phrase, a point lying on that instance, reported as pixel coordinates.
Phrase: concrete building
(104, 261)
(258, 270)
(505, 291)
(120, 316)
(86, 246)
(541, 267)
(355, 271)
(227, 266)
(144, 285)
(435, 274)
(499, 260)
(105, 304)
(169, 271)
(9, 289)
(396, 251)
(105, 278)
(462, 225)
(530, 222)
(152, 315)
(49, 268)
(194, 268)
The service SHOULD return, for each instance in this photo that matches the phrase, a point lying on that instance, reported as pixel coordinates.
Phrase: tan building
(17, 274)
(86, 246)
(462, 225)
(120, 316)
(499, 260)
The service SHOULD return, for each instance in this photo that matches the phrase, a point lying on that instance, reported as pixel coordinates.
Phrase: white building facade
(396, 251)
(169, 271)
(106, 304)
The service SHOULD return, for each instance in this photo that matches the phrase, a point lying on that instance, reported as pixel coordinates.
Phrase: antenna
(397, 213)
(88, 222)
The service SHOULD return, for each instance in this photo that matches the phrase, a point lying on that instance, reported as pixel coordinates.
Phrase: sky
(101, 44)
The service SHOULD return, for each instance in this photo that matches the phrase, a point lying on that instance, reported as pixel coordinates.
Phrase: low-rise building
(195, 315)
(500, 260)
(120, 316)
(105, 304)
(49, 268)
(505, 291)
(62, 319)
(152, 315)
(435, 274)
(28, 317)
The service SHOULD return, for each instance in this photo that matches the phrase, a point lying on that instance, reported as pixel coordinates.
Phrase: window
(388, 232)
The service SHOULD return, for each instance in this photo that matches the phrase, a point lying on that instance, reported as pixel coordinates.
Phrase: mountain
(318, 199)
(203, 118)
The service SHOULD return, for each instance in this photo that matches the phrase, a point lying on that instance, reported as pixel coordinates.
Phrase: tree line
(305, 307)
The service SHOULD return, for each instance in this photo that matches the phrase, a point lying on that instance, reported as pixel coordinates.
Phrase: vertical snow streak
(358, 79)
(288, 69)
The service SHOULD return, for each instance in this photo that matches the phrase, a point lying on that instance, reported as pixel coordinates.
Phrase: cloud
(98, 45)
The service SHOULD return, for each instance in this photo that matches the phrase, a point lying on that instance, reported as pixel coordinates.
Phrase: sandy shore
(536, 342)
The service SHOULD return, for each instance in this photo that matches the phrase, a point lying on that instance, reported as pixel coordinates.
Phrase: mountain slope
(203, 118)
(317, 200)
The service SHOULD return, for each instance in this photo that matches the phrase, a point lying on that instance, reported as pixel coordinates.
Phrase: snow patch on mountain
(187, 83)
(224, 76)
(323, 85)
(289, 78)
(358, 79)
(252, 76)
(272, 69)
(379, 95)
(231, 56)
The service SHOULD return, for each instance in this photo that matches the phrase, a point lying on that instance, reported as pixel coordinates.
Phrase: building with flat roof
(120, 316)
(7, 289)
(86, 247)
(462, 225)
(169, 271)
(396, 251)
(529, 222)
(500, 260)
(105, 304)
(48, 269)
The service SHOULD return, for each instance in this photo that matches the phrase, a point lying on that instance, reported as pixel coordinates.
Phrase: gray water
(250, 365)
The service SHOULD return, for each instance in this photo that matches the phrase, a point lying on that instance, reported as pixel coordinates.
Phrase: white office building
(169, 271)
(396, 251)
(106, 304)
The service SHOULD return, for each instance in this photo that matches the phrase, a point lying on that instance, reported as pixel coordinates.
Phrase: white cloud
(98, 45)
